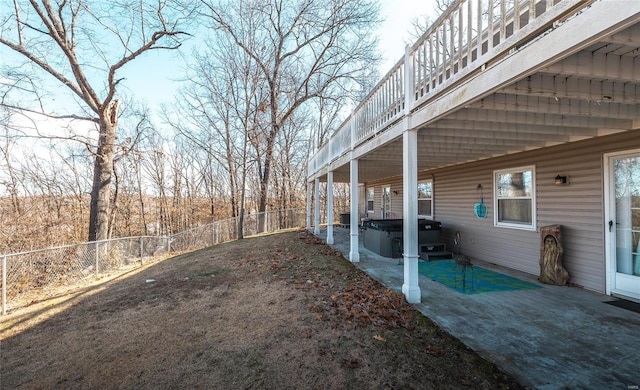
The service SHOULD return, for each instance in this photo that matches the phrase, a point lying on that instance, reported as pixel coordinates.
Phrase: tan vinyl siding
(396, 199)
(578, 207)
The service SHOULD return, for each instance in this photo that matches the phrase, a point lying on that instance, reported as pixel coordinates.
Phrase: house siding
(396, 199)
(578, 207)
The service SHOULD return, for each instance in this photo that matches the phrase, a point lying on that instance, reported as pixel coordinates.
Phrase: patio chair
(462, 264)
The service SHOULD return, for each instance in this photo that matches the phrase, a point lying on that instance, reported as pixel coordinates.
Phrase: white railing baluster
(469, 32)
(452, 48)
(503, 20)
(460, 37)
(532, 10)
(437, 56)
(490, 27)
(479, 32)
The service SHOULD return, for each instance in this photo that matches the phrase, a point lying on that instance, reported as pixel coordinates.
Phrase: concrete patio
(548, 338)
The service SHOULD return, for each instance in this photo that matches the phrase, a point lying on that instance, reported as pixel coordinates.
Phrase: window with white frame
(514, 200)
(425, 199)
(370, 195)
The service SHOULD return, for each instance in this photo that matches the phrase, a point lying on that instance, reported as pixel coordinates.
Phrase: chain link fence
(41, 274)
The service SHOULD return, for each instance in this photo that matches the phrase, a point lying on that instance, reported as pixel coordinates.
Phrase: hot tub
(379, 236)
(384, 236)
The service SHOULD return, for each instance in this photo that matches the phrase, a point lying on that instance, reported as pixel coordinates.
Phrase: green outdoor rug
(478, 279)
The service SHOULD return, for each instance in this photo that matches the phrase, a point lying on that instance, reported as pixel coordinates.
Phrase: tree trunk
(264, 190)
(102, 172)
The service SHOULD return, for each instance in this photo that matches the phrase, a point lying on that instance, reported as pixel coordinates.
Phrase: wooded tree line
(265, 85)
(164, 185)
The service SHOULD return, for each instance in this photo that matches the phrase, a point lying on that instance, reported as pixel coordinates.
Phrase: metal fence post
(97, 257)
(4, 285)
(141, 250)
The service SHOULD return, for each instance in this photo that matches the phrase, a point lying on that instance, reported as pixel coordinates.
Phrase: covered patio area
(548, 338)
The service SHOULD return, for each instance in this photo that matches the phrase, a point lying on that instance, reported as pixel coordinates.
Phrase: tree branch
(148, 46)
(52, 116)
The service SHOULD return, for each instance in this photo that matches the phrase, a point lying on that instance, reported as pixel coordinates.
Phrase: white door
(623, 223)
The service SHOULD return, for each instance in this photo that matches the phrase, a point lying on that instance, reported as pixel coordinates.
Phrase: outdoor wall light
(395, 192)
(561, 180)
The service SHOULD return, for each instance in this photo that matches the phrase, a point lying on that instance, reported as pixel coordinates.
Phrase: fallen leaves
(367, 303)
(435, 351)
(349, 295)
(353, 363)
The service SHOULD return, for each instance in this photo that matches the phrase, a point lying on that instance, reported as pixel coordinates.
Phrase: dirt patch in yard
(277, 312)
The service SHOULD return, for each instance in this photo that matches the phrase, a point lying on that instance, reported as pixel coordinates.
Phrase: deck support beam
(316, 190)
(354, 253)
(410, 288)
(309, 199)
(330, 207)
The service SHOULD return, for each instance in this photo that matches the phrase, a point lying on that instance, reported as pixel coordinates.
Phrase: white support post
(316, 190)
(330, 207)
(354, 253)
(410, 288)
(309, 199)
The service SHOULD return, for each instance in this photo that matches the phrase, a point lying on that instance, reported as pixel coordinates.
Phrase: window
(425, 199)
(370, 194)
(514, 202)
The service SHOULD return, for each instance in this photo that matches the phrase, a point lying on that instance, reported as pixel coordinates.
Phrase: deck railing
(470, 35)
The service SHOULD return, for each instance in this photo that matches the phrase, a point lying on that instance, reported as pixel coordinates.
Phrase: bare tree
(220, 110)
(304, 50)
(207, 117)
(421, 23)
(10, 179)
(156, 173)
(290, 165)
(127, 145)
(82, 46)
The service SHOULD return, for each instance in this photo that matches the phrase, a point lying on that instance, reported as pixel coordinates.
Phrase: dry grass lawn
(275, 312)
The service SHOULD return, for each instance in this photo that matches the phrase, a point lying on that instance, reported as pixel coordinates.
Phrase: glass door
(624, 224)
(386, 202)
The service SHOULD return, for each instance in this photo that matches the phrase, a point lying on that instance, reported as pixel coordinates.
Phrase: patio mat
(478, 279)
(635, 307)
